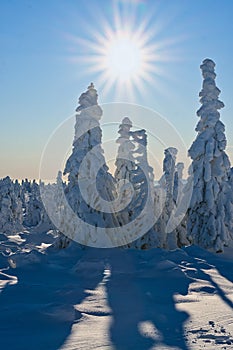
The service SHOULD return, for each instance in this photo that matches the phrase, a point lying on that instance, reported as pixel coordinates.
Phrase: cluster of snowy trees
(207, 219)
(21, 206)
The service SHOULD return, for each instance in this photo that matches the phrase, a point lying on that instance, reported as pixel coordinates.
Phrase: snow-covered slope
(75, 299)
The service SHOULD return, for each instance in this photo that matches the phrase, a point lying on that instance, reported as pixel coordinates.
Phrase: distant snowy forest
(177, 212)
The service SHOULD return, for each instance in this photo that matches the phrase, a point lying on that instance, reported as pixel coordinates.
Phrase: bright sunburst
(125, 54)
(123, 58)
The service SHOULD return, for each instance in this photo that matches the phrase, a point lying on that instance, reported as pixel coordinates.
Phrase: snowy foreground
(76, 299)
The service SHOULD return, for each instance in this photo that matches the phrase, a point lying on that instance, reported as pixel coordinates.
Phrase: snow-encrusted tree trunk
(210, 212)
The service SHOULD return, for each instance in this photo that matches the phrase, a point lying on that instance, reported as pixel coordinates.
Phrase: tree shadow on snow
(202, 261)
(38, 312)
(141, 296)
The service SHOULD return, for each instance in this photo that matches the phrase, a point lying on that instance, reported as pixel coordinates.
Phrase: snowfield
(75, 299)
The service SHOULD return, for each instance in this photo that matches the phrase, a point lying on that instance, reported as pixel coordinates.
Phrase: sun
(124, 55)
(124, 58)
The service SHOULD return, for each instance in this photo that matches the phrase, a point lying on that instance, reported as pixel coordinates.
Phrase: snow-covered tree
(17, 189)
(125, 168)
(26, 185)
(178, 181)
(86, 166)
(45, 223)
(210, 212)
(11, 215)
(59, 215)
(167, 239)
(25, 191)
(179, 214)
(143, 183)
(17, 204)
(124, 163)
(33, 205)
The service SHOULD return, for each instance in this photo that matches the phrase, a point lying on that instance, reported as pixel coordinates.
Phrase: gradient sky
(42, 73)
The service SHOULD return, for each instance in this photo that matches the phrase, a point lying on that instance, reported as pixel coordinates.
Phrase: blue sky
(41, 79)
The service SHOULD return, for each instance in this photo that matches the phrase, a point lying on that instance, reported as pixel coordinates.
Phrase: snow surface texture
(112, 299)
(210, 216)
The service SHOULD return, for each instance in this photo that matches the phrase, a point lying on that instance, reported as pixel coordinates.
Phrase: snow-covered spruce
(87, 166)
(45, 223)
(210, 212)
(181, 196)
(124, 173)
(35, 212)
(33, 206)
(167, 240)
(25, 191)
(58, 213)
(143, 184)
(178, 181)
(11, 214)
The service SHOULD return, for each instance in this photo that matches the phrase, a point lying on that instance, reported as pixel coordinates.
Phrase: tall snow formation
(210, 212)
(86, 166)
